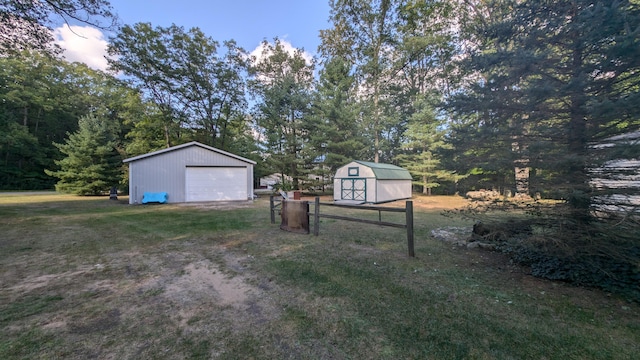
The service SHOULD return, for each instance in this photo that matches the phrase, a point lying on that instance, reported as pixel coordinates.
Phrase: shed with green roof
(368, 182)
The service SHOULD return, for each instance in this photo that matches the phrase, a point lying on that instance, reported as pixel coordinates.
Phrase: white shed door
(216, 183)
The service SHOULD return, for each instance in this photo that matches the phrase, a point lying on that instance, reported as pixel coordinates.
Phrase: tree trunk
(579, 199)
(25, 116)
(376, 125)
(35, 131)
(425, 189)
(167, 139)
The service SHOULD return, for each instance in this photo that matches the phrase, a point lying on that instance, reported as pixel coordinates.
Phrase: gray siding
(165, 172)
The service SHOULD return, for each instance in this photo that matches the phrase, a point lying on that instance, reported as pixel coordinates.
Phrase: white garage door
(216, 183)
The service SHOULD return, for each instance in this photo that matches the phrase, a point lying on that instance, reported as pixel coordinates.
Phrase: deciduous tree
(42, 99)
(195, 89)
(26, 25)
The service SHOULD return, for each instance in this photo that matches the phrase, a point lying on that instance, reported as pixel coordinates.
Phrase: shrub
(602, 253)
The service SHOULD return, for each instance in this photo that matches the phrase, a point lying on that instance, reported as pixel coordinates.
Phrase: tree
(21, 156)
(336, 135)
(195, 89)
(363, 33)
(143, 53)
(425, 139)
(25, 25)
(213, 85)
(283, 84)
(92, 164)
(424, 54)
(46, 96)
(554, 77)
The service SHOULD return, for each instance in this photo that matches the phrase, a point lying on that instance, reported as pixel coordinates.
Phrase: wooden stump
(295, 216)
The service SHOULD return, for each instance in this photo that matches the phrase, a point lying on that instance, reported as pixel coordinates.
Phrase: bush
(602, 253)
(606, 272)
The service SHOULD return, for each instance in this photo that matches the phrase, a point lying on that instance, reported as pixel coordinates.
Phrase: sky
(248, 22)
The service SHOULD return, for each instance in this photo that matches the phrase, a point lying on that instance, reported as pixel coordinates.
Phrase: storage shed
(190, 172)
(367, 182)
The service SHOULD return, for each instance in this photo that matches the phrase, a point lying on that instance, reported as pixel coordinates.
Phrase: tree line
(460, 92)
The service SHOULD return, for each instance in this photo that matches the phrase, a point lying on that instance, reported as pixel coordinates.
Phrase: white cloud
(83, 44)
(258, 53)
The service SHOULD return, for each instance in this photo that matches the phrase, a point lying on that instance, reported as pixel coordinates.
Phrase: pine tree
(283, 82)
(424, 140)
(553, 78)
(92, 164)
(364, 34)
(336, 137)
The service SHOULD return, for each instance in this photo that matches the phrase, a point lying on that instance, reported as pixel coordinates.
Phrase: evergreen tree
(92, 164)
(425, 139)
(283, 82)
(336, 136)
(43, 98)
(364, 34)
(553, 78)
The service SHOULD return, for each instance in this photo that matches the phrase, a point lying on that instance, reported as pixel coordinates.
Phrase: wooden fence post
(409, 212)
(273, 215)
(316, 217)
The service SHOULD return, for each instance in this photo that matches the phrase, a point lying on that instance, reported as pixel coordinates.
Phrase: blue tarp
(159, 197)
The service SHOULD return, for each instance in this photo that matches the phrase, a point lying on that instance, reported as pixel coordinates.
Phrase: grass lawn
(94, 278)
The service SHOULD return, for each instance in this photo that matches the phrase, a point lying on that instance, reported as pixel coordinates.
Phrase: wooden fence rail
(276, 205)
(408, 210)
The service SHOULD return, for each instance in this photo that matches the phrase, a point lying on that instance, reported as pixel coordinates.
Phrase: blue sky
(297, 22)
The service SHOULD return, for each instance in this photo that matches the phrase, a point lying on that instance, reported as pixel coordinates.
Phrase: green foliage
(362, 35)
(283, 83)
(144, 53)
(196, 93)
(546, 86)
(26, 24)
(335, 136)
(43, 98)
(22, 159)
(547, 80)
(602, 253)
(92, 164)
(620, 276)
(424, 140)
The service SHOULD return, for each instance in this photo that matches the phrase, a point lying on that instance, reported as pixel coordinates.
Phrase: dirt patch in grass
(204, 278)
(32, 283)
(174, 293)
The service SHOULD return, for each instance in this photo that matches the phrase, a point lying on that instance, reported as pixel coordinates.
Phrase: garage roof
(387, 171)
(193, 143)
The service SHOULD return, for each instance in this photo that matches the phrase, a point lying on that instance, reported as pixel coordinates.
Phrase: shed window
(354, 171)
